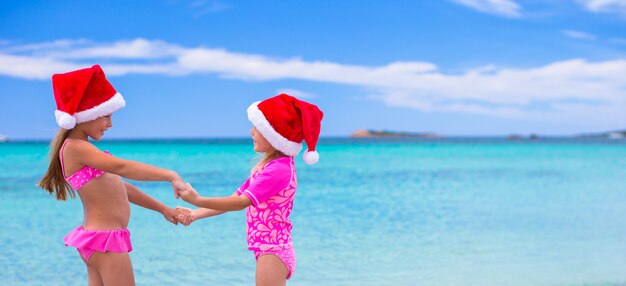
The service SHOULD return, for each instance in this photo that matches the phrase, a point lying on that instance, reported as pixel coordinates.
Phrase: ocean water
(371, 212)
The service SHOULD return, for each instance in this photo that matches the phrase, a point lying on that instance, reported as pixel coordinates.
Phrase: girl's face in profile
(260, 143)
(96, 128)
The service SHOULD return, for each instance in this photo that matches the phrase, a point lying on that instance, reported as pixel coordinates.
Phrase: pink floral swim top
(272, 191)
(82, 176)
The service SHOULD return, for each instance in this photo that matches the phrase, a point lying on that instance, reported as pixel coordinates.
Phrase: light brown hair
(269, 156)
(54, 180)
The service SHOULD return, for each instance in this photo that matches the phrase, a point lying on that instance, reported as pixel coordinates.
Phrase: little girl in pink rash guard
(281, 123)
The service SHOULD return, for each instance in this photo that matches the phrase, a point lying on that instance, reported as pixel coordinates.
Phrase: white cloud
(296, 93)
(32, 67)
(604, 5)
(579, 35)
(58, 44)
(617, 40)
(134, 49)
(576, 89)
(203, 7)
(506, 8)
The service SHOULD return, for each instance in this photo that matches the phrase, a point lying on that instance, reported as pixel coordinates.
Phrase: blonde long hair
(269, 156)
(54, 180)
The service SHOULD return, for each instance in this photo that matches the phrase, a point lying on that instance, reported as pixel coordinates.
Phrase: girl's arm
(141, 199)
(224, 204)
(187, 216)
(87, 154)
(201, 213)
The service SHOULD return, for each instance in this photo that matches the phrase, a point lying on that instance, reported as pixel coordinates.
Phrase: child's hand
(170, 215)
(178, 185)
(188, 194)
(184, 215)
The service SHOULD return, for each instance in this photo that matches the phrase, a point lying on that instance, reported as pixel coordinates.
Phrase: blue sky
(453, 67)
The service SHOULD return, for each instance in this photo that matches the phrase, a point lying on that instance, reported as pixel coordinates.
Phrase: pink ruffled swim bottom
(288, 256)
(89, 241)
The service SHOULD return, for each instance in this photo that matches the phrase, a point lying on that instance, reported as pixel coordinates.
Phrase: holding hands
(178, 214)
(184, 215)
(170, 215)
(178, 185)
(188, 194)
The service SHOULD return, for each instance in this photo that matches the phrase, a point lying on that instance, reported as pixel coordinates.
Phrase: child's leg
(114, 268)
(93, 276)
(271, 271)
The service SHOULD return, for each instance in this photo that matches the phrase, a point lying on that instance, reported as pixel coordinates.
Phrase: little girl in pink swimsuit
(280, 125)
(85, 101)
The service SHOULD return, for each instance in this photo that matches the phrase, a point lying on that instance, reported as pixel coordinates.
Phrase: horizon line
(512, 136)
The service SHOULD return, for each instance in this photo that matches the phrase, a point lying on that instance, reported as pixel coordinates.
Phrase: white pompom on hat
(84, 95)
(285, 122)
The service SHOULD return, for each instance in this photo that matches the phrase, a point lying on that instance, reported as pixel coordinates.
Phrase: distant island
(4, 139)
(620, 134)
(532, 136)
(364, 133)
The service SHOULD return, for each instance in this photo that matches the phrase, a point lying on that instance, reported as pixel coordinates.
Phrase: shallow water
(371, 212)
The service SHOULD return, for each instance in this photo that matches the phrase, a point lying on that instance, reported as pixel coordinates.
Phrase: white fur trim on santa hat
(311, 157)
(113, 104)
(64, 120)
(277, 141)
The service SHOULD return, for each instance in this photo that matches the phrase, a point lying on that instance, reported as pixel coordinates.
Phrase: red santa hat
(84, 95)
(285, 121)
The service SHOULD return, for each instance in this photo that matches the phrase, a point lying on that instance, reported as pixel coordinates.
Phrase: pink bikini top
(82, 176)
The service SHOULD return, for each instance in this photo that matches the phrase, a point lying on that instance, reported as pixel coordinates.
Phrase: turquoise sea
(459, 211)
